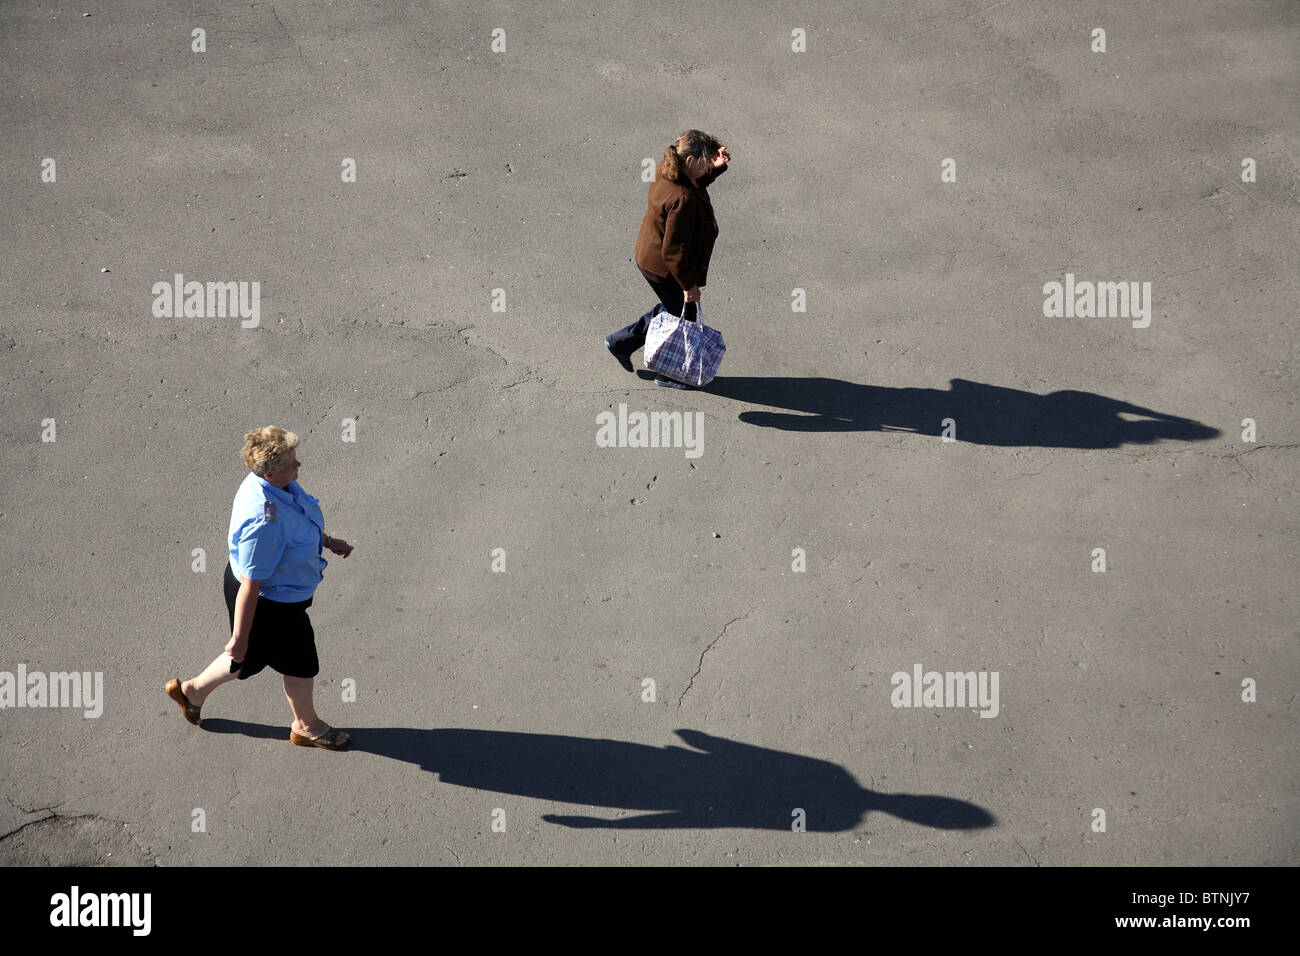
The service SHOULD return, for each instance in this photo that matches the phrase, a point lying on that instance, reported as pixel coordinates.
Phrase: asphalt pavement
(955, 566)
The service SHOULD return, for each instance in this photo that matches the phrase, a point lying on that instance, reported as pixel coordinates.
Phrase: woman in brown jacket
(676, 238)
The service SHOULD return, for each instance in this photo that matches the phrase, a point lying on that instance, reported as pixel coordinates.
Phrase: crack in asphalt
(691, 682)
(1250, 451)
(50, 811)
(24, 826)
(1026, 853)
(53, 814)
(1250, 475)
(480, 345)
(145, 851)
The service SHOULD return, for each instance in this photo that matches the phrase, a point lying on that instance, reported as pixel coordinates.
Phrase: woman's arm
(245, 606)
(680, 224)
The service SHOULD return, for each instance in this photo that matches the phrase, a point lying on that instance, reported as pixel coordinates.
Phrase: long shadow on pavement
(983, 414)
(721, 783)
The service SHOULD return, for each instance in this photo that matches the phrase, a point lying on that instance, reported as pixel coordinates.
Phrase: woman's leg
(298, 657)
(630, 338)
(196, 691)
(214, 675)
(670, 296)
(306, 722)
(674, 300)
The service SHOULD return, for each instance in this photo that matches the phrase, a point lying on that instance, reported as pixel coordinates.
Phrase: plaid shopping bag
(682, 350)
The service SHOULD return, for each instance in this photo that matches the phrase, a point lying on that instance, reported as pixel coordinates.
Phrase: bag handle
(698, 311)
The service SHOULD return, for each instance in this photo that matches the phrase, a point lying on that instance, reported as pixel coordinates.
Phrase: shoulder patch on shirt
(268, 510)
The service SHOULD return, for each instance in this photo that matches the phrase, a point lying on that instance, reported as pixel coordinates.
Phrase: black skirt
(281, 637)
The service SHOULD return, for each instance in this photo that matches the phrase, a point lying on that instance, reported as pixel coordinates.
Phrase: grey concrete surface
(522, 692)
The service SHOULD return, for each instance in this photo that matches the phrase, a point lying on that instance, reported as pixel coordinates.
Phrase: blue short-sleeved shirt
(276, 536)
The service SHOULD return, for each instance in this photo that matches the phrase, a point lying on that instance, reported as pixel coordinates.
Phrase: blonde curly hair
(268, 449)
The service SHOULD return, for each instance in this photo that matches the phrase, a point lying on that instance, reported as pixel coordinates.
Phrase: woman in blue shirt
(277, 533)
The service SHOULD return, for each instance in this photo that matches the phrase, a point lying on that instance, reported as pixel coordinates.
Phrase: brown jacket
(678, 231)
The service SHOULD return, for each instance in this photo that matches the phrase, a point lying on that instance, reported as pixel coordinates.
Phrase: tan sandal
(174, 691)
(327, 741)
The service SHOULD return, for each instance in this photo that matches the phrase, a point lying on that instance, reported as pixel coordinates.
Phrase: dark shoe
(623, 360)
(669, 383)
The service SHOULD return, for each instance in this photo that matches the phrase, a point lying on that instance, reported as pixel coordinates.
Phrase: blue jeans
(671, 298)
